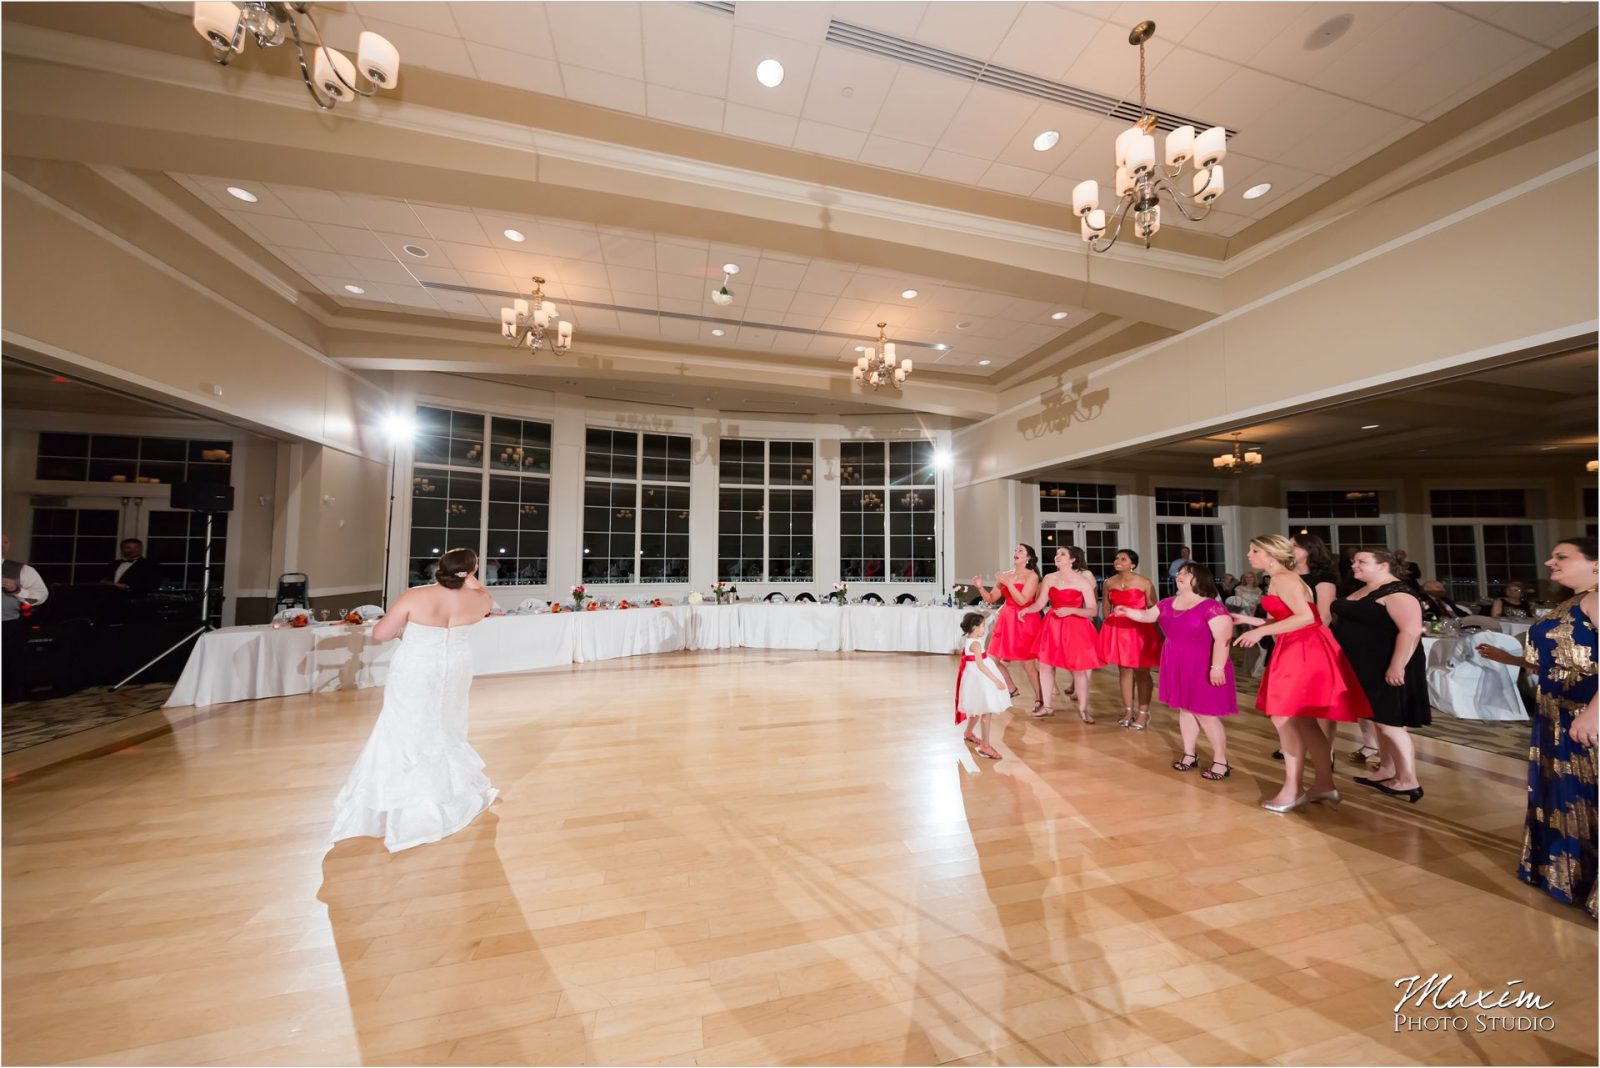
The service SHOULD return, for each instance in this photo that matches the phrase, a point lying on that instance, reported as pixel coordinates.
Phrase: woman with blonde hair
(1307, 679)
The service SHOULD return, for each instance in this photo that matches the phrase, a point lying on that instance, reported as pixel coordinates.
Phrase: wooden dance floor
(757, 857)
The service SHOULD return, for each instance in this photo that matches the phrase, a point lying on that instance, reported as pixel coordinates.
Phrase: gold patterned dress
(1558, 848)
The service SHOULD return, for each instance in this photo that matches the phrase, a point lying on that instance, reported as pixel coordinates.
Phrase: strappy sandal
(1141, 722)
(969, 739)
(1210, 774)
(1084, 715)
(1015, 691)
(1189, 762)
(1127, 717)
(1042, 710)
(987, 751)
(1360, 755)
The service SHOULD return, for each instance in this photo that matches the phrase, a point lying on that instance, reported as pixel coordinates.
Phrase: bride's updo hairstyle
(454, 567)
(1278, 547)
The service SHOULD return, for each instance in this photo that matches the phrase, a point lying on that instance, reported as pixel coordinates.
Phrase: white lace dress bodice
(418, 779)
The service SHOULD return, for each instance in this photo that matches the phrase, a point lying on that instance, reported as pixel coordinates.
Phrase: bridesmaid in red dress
(1068, 640)
(1308, 679)
(1016, 631)
(1133, 646)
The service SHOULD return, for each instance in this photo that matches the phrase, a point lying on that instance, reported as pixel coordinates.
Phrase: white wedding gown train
(418, 779)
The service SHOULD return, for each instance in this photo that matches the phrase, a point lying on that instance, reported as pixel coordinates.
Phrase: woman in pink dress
(1196, 677)
(1068, 639)
(1133, 646)
(1016, 631)
(1308, 679)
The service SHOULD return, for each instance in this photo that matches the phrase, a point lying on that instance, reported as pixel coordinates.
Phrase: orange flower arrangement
(352, 616)
(624, 604)
(556, 608)
(591, 607)
(656, 603)
(300, 621)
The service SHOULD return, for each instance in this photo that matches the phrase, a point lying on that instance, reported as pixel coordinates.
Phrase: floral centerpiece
(656, 602)
(353, 616)
(624, 603)
(723, 591)
(592, 606)
(578, 595)
(838, 594)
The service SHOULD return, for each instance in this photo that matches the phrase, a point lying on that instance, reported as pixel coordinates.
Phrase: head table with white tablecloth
(247, 663)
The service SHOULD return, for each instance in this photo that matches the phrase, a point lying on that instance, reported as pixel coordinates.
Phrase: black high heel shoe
(1412, 796)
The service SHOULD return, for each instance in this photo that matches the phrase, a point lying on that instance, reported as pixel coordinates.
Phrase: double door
(1099, 539)
(1205, 544)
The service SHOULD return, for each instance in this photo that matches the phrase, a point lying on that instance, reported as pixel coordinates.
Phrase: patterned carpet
(32, 722)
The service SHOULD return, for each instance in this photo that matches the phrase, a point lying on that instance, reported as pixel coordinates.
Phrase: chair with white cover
(1483, 623)
(1467, 686)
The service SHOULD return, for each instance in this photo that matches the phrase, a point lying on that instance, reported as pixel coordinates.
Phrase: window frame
(640, 484)
(767, 488)
(887, 488)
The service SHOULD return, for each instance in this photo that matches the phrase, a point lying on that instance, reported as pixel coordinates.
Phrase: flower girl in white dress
(979, 692)
(418, 780)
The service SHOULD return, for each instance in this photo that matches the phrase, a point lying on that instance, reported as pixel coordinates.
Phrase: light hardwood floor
(749, 858)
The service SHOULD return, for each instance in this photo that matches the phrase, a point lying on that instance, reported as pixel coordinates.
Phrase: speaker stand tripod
(205, 615)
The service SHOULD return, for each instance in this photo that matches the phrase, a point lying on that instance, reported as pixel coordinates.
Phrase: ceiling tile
(472, 257)
(1185, 76)
(314, 205)
(640, 301)
(379, 270)
(1071, 125)
(424, 48)
(1111, 66)
(1045, 40)
(986, 122)
(826, 279)
(1236, 32)
(685, 109)
(535, 74)
(450, 224)
(391, 216)
(434, 18)
(779, 275)
(289, 233)
(215, 192)
(498, 281)
(884, 152)
(1095, 156)
(890, 16)
(603, 90)
(631, 279)
(521, 28)
(848, 87)
(807, 22)
(1551, 24)
(688, 48)
(1009, 179)
(920, 105)
(351, 240)
(1057, 189)
(971, 29)
(1174, 19)
(954, 167)
(682, 287)
(758, 125)
(751, 47)
(754, 337)
(309, 262)
(828, 140)
(681, 259)
(599, 37)
(566, 243)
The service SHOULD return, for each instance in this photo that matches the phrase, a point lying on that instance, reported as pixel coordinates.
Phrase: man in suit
(134, 572)
(1436, 604)
(23, 589)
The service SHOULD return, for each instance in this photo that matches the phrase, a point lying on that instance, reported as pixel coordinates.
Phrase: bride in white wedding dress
(418, 780)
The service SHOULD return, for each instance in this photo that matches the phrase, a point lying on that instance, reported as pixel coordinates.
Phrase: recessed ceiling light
(242, 194)
(1371, 426)
(908, 294)
(1258, 191)
(941, 347)
(730, 268)
(415, 250)
(1329, 32)
(516, 235)
(984, 363)
(769, 72)
(847, 92)
(1058, 315)
(357, 290)
(1046, 141)
(963, 325)
(861, 348)
(717, 333)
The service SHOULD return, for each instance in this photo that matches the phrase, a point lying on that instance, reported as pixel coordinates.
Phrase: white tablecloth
(246, 663)
(1481, 691)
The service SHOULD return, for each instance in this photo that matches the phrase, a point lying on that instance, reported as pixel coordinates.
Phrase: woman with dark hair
(1314, 564)
(1068, 639)
(1133, 646)
(418, 779)
(1379, 627)
(1196, 677)
(1307, 679)
(1558, 844)
(1016, 631)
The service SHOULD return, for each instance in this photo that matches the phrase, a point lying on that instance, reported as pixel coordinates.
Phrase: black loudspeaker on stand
(208, 499)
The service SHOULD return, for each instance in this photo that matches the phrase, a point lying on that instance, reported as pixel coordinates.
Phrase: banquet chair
(1483, 623)
(775, 597)
(906, 598)
(805, 598)
(1467, 686)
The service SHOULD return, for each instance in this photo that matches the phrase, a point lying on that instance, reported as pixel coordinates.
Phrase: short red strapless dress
(1307, 674)
(1127, 642)
(1016, 636)
(1068, 642)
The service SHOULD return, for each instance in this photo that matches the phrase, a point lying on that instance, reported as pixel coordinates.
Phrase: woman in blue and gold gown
(1558, 847)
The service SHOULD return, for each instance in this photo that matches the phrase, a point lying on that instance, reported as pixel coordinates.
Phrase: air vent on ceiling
(724, 6)
(744, 324)
(1015, 81)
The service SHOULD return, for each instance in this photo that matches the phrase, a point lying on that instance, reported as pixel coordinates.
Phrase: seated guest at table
(1513, 603)
(1226, 587)
(1436, 604)
(1379, 627)
(134, 572)
(1559, 838)
(1246, 596)
(23, 587)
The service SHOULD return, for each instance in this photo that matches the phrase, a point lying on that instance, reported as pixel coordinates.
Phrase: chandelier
(1239, 460)
(520, 327)
(878, 366)
(330, 76)
(1141, 179)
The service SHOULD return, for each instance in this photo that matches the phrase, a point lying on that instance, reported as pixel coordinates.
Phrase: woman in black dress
(1379, 627)
(1314, 564)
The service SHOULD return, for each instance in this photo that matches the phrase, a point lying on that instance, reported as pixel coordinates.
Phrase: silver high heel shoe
(1299, 802)
(1326, 795)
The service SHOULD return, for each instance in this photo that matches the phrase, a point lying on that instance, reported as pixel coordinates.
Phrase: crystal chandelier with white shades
(1240, 460)
(330, 77)
(1142, 178)
(525, 322)
(878, 366)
